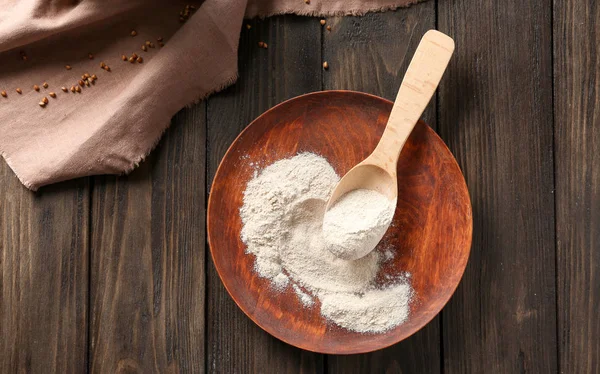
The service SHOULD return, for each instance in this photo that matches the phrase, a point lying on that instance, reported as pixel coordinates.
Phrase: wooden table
(110, 274)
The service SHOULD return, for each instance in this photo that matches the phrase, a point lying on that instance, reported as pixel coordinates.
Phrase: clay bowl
(431, 232)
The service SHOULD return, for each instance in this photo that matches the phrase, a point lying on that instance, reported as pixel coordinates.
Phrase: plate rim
(218, 269)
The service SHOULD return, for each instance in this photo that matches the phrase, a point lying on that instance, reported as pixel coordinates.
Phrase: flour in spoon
(282, 217)
(354, 225)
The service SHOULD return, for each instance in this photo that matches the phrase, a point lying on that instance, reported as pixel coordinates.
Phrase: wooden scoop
(378, 171)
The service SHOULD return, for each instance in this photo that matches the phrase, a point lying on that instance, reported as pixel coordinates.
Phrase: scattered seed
(159, 39)
(306, 1)
(148, 43)
(134, 55)
(45, 100)
(186, 12)
(78, 89)
(68, 67)
(265, 45)
(45, 85)
(64, 89)
(72, 88)
(94, 77)
(36, 87)
(140, 59)
(261, 44)
(325, 65)
(52, 95)
(102, 64)
(42, 104)
(151, 45)
(107, 68)
(87, 82)
(323, 22)
(144, 48)
(24, 58)
(248, 26)
(133, 33)
(123, 57)
(131, 59)
(328, 28)
(86, 75)
(19, 91)
(90, 56)
(4, 94)
(80, 83)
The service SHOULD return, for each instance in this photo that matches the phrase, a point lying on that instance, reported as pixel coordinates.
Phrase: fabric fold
(112, 125)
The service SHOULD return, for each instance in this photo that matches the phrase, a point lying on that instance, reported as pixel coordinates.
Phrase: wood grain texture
(577, 140)
(289, 67)
(371, 54)
(495, 110)
(147, 274)
(147, 230)
(43, 276)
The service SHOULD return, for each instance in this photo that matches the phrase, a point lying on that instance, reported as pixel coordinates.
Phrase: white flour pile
(282, 218)
(354, 225)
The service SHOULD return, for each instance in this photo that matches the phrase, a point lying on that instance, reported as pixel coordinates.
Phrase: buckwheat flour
(354, 225)
(282, 216)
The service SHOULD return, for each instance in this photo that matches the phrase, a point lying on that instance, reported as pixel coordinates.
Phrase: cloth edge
(230, 80)
(24, 182)
(223, 85)
(333, 13)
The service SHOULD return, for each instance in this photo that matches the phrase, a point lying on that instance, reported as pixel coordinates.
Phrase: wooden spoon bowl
(430, 235)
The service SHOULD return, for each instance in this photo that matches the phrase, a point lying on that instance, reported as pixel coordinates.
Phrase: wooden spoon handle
(418, 86)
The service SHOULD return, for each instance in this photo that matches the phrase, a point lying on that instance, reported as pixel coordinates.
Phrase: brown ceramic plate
(431, 233)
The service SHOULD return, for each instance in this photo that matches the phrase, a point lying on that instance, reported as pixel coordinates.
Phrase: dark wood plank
(43, 276)
(577, 139)
(371, 54)
(147, 271)
(495, 112)
(235, 343)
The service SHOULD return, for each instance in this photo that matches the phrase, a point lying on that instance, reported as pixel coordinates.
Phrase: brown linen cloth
(112, 125)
